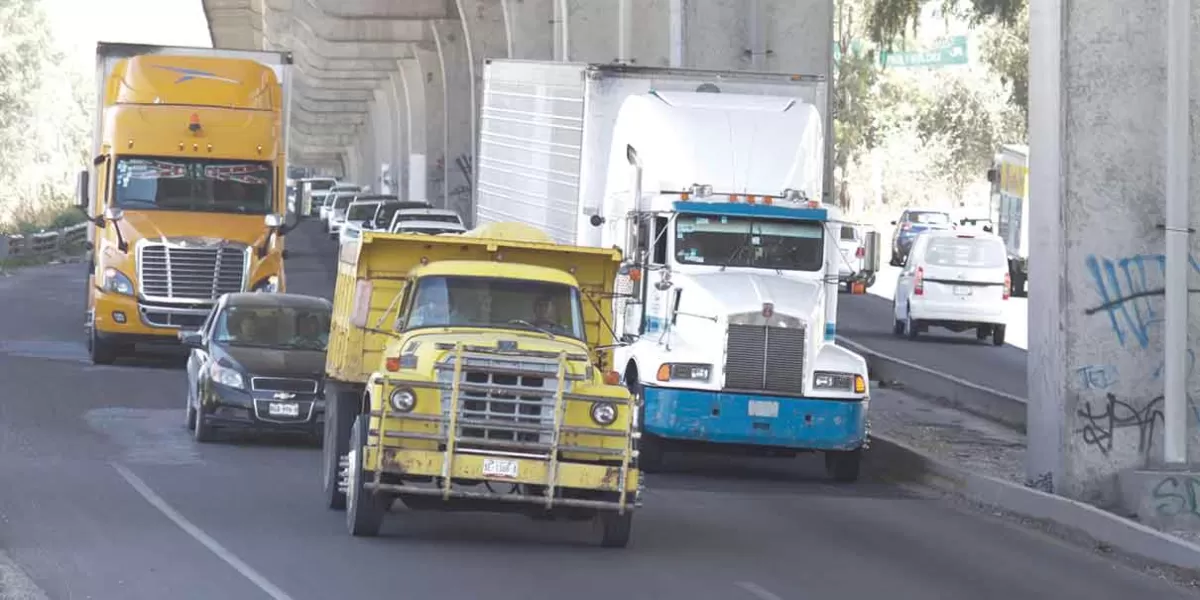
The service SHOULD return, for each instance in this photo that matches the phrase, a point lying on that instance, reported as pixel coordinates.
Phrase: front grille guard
(551, 451)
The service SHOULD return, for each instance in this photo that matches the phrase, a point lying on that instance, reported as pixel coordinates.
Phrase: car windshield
(193, 184)
(428, 217)
(273, 327)
(749, 242)
(966, 252)
(929, 218)
(321, 185)
(361, 211)
(427, 230)
(496, 303)
(342, 201)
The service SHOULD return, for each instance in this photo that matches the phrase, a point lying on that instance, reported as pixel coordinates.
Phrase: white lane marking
(15, 584)
(198, 534)
(757, 590)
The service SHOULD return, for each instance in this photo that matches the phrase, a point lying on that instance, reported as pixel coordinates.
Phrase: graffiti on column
(1131, 291)
(460, 195)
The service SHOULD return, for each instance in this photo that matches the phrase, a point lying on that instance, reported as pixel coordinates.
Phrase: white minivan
(954, 280)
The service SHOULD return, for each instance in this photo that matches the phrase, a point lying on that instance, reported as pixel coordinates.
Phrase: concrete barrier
(944, 389)
(48, 244)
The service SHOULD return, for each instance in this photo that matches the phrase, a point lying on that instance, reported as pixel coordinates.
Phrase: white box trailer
(546, 130)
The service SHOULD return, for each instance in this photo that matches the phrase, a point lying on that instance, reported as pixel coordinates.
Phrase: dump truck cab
(490, 391)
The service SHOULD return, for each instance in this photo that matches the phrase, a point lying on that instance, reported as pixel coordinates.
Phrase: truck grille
(517, 407)
(764, 358)
(174, 272)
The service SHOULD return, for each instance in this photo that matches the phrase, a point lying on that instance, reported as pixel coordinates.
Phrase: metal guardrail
(60, 242)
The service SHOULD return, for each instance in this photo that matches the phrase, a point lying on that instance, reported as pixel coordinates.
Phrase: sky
(82, 23)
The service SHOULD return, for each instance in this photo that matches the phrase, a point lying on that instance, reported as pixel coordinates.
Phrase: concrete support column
(486, 36)
(1097, 264)
(383, 133)
(413, 81)
(594, 31)
(456, 107)
(434, 87)
(386, 98)
(530, 28)
(395, 83)
(352, 162)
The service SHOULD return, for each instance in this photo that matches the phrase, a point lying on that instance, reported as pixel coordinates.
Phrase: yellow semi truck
(186, 190)
(472, 372)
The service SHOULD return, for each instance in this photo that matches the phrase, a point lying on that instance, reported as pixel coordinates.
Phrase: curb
(15, 584)
(944, 389)
(898, 461)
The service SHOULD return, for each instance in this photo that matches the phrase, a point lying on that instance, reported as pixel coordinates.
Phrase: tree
(892, 20)
(1006, 51)
(960, 119)
(855, 73)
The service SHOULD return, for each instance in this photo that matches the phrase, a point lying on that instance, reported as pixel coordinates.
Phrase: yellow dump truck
(187, 190)
(469, 372)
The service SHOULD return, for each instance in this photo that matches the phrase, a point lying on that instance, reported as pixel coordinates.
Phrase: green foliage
(855, 74)
(54, 214)
(1006, 51)
(960, 119)
(891, 21)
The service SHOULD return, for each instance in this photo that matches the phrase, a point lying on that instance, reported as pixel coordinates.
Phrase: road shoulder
(15, 584)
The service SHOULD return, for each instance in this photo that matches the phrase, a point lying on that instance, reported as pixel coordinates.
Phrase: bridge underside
(385, 90)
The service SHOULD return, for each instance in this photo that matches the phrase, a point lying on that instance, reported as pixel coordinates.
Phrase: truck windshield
(457, 301)
(721, 240)
(193, 184)
(273, 327)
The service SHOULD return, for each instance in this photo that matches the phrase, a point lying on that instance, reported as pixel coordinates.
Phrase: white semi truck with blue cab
(711, 183)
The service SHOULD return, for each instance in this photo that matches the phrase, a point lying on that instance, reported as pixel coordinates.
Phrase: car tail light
(861, 252)
(919, 282)
(1007, 285)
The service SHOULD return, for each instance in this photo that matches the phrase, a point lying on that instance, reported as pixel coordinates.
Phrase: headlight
(227, 377)
(842, 382)
(604, 413)
(402, 400)
(117, 282)
(269, 285)
(684, 371)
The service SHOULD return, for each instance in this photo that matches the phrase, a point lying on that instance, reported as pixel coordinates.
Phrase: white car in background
(431, 215)
(360, 215)
(853, 246)
(428, 227)
(337, 211)
(955, 280)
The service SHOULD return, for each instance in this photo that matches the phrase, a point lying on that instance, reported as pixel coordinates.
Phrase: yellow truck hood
(154, 225)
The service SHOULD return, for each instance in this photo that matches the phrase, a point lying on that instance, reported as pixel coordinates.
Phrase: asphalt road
(867, 319)
(104, 496)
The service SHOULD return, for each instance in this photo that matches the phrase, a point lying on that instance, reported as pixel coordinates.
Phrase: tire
(101, 352)
(910, 326)
(650, 447)
(997, 335)
(189, 419)
(843, 466)
(870, 281)
(341, 409)
(982, 332)
(365, 510)
(202, 432)
(897, 324)
(614, 528)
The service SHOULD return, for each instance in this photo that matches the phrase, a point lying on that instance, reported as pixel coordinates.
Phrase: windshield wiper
(525, 323)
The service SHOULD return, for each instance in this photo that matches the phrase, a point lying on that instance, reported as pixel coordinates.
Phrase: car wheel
(202, 432)
(910, 325)
(897, 324)
(190, 412)
(982, 332)
(997, 335)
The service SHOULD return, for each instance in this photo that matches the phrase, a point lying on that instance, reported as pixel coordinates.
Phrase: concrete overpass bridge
(385, 90)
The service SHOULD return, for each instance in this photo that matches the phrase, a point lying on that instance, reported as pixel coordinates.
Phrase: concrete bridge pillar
(395, 84)
(429, 69)
(1097, 263)
(413, 80)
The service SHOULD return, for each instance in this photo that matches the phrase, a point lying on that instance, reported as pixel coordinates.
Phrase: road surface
(104, 496)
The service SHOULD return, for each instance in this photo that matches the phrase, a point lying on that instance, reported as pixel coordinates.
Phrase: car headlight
(402, 400)
(841, 382)
(117, 282)
(604, 413)
(227, 377)
(684, 372)
(269, 285)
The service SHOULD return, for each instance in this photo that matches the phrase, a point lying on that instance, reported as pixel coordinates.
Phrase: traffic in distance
(538, 361)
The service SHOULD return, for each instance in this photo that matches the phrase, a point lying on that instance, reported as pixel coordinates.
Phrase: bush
(50, 216)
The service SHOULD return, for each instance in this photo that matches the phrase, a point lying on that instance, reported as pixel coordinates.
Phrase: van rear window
(967, 252)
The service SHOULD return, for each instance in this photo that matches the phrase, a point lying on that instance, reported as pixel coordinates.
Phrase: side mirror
(273, 221)
(113, 214)
(893, 222)
(987, 228)
(871, 245)
(81, 190)
(191, 339)
(992, 175)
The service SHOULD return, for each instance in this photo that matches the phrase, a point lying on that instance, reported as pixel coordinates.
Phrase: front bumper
(122, 317)
(230, 408)
(725, 418)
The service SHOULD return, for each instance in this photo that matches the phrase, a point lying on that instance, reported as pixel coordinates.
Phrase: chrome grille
(517, 405)
(283, 384)
(765, 358)
(170, 271)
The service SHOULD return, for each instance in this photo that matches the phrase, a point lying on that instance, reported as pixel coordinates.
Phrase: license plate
(764, 408)
(283, 409)
(962, 290)
(499, 467)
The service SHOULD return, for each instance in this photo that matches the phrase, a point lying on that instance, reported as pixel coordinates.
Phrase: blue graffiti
(1129, 290)
(1097, 377)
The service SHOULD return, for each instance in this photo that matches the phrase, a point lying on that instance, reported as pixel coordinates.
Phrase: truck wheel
(364, 509)
(102, 352)
(843, 466)
(614, 528)
(997, 335)
(650, 451)
(341, 408)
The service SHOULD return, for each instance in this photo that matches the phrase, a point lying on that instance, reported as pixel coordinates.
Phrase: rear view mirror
(81, 190)
(871, 252)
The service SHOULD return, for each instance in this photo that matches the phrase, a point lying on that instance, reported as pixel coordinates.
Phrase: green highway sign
(950, 51)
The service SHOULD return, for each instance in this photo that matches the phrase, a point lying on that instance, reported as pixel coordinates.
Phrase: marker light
(194, 123)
